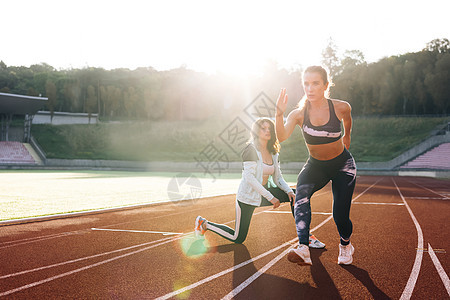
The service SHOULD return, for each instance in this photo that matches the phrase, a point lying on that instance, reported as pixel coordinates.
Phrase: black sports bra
(325, 134)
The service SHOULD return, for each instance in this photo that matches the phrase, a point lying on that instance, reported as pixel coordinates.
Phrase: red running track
(400, 236)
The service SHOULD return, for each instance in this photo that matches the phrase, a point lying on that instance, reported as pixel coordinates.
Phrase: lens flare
(194, 247)
(179, 284)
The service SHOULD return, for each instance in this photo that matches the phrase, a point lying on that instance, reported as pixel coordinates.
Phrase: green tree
(4, 77)
(130, 100)
(51, 93)
(438, 45)
(348, 82)
(408, 85)
(438, 85)
(103, 100)
(352, 58)
(91, 101)
(421, 96)
(330, 58)
(109, 99)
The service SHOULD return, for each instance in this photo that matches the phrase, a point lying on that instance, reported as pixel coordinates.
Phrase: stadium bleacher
(436, 158)
(15, 153)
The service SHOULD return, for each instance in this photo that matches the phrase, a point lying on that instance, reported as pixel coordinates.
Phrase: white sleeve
(249, 175)
(280, 182)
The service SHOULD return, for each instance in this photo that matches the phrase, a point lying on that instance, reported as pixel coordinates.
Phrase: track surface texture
(400, 236)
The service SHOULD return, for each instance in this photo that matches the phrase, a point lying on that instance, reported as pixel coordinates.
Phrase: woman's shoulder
(249, 153)
(298, 111)
(341, 105)
(297, 114)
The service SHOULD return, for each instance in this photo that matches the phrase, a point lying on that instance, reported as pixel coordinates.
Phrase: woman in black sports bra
(320, 120)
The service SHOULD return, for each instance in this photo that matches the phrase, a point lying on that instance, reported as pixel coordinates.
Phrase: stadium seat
(436, 158)
(15, 153)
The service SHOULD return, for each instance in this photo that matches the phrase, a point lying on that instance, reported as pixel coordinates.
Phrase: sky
(235, 37)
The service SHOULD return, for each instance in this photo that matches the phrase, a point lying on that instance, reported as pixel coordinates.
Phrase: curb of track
(93, 212)
(75, 214)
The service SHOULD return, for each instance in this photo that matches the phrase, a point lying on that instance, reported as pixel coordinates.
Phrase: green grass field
(373, 139)
(42, 193)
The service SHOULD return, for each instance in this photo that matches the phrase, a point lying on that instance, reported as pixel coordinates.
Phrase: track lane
(433, 215)
(157, 271)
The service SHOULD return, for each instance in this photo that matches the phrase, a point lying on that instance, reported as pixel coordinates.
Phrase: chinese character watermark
(212, 159)
(236, 135)
(184, 189)
(261, 107)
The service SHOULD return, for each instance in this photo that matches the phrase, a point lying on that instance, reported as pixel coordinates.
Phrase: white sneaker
(315, 243)
(300, 255)
(345, 254)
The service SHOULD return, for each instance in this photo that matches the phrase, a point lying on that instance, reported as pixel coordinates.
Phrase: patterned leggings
(341, 170)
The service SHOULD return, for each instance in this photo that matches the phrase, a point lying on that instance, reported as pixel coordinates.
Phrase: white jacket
(251, 189)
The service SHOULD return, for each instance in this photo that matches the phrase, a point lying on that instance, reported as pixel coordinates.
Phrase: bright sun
(233, 37)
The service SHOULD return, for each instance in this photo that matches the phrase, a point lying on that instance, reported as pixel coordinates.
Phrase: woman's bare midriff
(326, 151)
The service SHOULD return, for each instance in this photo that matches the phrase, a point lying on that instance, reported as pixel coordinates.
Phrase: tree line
(413, 83)
(409, 84)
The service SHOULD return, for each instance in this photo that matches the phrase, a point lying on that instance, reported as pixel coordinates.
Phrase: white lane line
(255, 276)
(354, 199)
(290, 213)
(252, 278)
(269, 208)
(434, 250)
(428, 198)
(93, 256)
(217, 275)
(248, 282)
(439, 194)
(112, 259)
(64, 234)
(137, 231)
(407, 292)
(39, 239)
(440, 269)
(379, 203)
(163, 241)
(36, 283)
(164, 216)
(82, 258)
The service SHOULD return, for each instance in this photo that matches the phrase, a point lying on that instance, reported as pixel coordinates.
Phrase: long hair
(272, 145)
(322, 71)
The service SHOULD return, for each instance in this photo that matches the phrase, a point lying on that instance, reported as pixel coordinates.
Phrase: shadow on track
(364, 277)
(274, 287)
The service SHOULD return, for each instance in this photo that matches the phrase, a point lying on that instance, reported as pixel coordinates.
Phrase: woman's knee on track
(241, 239)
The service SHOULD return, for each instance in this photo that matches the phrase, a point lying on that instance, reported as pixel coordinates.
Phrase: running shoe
(345, 254)
(200, 226)
(315, 243)
(300, 255)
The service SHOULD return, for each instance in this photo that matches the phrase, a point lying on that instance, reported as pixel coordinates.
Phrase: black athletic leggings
(244, 214)
(315, 174)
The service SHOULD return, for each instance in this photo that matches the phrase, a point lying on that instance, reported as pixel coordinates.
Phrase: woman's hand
(291, 196)
(346, 139)
(282, 102)
(275, 202)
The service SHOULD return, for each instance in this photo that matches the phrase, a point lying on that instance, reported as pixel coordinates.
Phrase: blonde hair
(323, 72)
